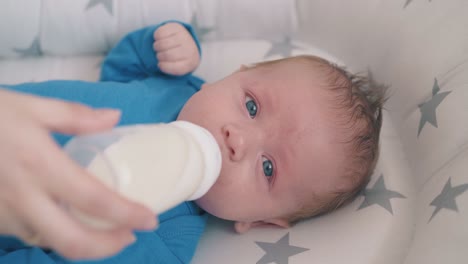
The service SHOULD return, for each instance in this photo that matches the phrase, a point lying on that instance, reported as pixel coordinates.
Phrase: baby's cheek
(232, 194)
(215, 203)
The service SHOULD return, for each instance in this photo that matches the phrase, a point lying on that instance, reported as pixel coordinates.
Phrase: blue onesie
(132, 82)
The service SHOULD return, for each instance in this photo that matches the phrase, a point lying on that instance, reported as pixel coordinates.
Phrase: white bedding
(415, 209)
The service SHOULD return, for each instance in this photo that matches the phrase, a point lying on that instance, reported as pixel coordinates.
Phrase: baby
(298, 136)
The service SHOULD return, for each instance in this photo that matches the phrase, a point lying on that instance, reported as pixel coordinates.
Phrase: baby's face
(278, 141)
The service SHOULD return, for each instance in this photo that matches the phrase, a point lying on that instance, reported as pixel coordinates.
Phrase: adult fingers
(56, 229)
(11, 223)
(72, 118)
(76, 187)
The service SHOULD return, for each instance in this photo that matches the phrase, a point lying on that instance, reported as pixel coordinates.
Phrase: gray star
(278, 252)
(408, 2)
(428, 109)
(33, 50)
(446, 199)
(435, 87)
(283, 48)
(108, 5)
(200, 31)
(379, 194)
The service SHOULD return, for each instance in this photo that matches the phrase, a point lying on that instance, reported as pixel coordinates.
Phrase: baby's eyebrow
(284, 157)
(248, 81)
(287, 149)
(265, 97)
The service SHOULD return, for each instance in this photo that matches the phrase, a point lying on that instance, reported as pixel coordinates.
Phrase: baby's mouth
(222, 148)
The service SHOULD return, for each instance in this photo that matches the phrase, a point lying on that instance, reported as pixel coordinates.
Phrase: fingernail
(150, 224)
(107, 112)
(131, 239)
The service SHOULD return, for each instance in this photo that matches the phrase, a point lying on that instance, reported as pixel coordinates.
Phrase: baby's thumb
(73, 118)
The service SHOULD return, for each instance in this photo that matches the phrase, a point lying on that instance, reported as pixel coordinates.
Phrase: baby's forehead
(317, 77)
(296, 94)
(310, 64)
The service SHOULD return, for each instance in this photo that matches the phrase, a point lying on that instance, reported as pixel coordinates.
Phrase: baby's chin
(207, 206)
(211, 205)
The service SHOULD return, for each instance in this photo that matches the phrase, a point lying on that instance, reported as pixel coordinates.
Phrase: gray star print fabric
(436, 130)
(415, 207)
(85, 27)
(93, 26)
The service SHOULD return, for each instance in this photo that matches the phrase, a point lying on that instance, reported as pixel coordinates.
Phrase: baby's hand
(175, 49)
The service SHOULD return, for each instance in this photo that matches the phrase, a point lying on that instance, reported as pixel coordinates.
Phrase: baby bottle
(159, 165)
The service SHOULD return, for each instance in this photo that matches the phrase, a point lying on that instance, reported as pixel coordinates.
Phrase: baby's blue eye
(251, 106)
(267, 167)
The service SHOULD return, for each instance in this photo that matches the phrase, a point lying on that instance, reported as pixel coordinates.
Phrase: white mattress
(418, 213)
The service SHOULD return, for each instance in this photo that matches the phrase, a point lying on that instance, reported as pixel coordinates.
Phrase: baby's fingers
(167, 43)
(172, 55)
(176, 67)
(168, 30)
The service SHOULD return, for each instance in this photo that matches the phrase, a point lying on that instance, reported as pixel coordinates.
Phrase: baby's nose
(235, 142)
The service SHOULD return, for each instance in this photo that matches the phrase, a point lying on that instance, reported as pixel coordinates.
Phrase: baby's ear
(242, 227)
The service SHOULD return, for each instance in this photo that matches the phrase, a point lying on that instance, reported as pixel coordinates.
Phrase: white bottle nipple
(211, 155)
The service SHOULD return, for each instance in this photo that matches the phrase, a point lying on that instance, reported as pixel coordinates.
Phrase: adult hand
(35, 174)
(175, 49)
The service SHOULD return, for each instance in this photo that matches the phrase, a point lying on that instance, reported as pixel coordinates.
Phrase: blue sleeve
(173, 242)
(133, 57)
(12, 250)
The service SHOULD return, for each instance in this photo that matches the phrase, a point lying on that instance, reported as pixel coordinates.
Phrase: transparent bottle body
(158, 165)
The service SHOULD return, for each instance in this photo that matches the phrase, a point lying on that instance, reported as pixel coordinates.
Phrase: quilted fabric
(415, 209)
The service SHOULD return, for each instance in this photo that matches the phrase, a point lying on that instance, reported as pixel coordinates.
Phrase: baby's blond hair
(360, 100)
